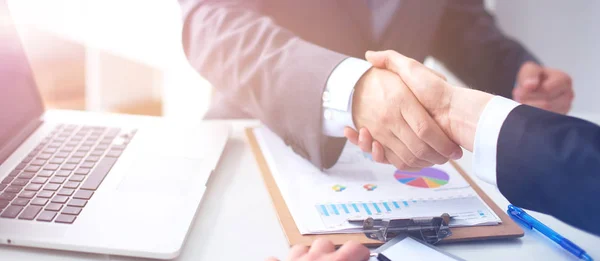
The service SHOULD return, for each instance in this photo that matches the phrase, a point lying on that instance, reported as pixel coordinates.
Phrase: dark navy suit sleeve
(550, 163)
(471, 45)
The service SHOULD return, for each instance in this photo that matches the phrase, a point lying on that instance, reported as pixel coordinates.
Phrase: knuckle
(401, 166)
(422, 152)
(413, 66)
(422, 129)
(412, 161)
(441, 161)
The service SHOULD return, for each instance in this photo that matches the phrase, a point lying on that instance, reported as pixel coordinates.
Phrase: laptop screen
(20, 103)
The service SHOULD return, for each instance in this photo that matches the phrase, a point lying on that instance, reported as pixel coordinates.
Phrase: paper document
(357, 188)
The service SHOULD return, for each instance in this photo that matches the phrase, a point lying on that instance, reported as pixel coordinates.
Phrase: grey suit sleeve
(472, 46)
(265, 70)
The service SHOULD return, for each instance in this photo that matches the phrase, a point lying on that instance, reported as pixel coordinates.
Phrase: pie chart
(425, 178)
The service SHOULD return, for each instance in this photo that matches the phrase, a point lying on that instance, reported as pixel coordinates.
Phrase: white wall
(563, 34)
(133, 50)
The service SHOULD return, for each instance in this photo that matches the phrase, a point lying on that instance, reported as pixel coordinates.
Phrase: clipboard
(507, 229)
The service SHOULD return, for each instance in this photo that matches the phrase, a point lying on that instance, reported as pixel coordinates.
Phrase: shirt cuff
(337, 97)
(486, 137)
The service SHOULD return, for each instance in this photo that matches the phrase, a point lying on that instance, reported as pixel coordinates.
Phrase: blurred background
(126, 56)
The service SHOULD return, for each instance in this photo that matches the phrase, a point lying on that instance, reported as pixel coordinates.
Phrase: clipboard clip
(430, 229)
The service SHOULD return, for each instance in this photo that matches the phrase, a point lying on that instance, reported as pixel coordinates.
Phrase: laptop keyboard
(55, 180)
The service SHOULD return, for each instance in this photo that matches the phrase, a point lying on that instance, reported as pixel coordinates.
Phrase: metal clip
(431, 229)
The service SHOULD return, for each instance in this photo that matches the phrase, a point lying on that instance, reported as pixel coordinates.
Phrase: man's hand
(456, 110)
(383, 104)
(324, 250)
(545, 88)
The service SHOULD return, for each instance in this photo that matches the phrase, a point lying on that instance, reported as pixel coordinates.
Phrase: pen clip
(516, 215)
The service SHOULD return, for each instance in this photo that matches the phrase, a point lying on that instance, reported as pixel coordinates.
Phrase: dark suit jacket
(270, 59)
(551, 163)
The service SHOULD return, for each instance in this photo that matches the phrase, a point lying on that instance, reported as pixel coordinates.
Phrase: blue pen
(531, 222)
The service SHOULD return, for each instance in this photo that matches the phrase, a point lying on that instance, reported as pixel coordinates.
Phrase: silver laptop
(93, 182)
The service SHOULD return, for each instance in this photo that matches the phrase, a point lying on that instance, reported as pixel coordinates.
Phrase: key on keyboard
(47, 179)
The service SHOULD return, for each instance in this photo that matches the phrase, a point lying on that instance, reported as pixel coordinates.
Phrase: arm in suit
(264, 69)
(551, 163)
(471, 45)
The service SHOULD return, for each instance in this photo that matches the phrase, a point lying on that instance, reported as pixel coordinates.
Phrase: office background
(125, 55)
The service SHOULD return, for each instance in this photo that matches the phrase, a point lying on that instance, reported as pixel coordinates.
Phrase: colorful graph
(426, 178)
(338, 188)
(370, 187)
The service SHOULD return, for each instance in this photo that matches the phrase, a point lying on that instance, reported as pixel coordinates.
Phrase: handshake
(408, 115)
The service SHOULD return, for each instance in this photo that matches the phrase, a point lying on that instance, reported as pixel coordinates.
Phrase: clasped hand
(402, 118)
(408, 107)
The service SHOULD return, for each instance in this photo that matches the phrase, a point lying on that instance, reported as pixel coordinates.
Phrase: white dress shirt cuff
(337, 97)
(486, 137)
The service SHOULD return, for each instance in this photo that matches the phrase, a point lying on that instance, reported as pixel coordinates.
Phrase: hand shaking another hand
(384, 104)
(441, 117)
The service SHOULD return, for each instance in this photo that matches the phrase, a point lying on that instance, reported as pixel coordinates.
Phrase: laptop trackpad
(164, 174)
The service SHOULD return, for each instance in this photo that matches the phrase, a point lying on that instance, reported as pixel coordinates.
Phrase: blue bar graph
(355, 208)
(345, 209)
(335, 210)
(367, 208)
(376, 207)
(385, 204)
(324, 210)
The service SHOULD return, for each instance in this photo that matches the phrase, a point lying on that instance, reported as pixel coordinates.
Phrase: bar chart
(468, 210)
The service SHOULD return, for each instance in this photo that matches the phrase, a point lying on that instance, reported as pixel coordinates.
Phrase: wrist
(357, 98)
(464, 111)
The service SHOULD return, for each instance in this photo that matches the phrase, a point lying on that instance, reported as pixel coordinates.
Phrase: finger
(351, 251)
(400, 148)
(417, 146)
(351, 135)
(556, 84)
(365, 140)
(529, 76)
(427, 130)
(563, 108)
(378, 153)
(560, 104)
(550, 89)
(321, 246)
(395, 160)
(383, 60)
(297, 251)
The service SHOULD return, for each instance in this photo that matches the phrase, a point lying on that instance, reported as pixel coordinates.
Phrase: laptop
(95, 182)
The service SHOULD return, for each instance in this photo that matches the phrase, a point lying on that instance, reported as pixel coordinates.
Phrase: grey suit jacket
(270, 59)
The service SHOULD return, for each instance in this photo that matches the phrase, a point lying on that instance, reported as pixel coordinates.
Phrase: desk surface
(219, 233)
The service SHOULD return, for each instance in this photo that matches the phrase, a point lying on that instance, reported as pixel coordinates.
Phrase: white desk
(219, 233)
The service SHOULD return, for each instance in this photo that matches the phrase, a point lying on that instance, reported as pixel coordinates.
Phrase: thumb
(379, 59)
(530, 76)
